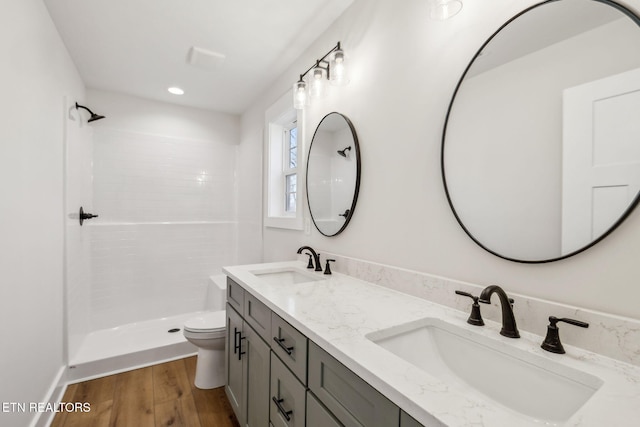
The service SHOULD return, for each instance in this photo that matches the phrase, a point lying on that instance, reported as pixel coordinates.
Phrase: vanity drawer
(317, 415)
(258, 316)
(290, 345)
(351, 400)
(407, 420)
(235, 295)
(287, 397)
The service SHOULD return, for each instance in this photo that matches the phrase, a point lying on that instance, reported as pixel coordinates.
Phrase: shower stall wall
(167, 221)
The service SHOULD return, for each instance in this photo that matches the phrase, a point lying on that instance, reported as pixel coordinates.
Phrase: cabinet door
(317, 415)
(256, 379)
(233, 361)
(287, 399)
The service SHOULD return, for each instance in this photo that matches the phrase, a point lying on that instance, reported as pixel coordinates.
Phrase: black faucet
(316, 257)
(509, 328)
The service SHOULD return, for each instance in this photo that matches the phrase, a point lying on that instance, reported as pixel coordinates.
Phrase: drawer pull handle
(283, 411)
(280, 342)
(237, 343)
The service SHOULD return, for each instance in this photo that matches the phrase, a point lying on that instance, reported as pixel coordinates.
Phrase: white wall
(404, 70)
(37, 75)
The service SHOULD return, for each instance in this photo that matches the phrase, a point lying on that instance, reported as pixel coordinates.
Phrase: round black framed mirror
(540, 149)
(333, 174)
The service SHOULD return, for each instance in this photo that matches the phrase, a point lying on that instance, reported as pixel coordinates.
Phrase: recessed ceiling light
(176, 91)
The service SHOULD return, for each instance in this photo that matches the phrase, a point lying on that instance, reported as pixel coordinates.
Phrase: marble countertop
(338, 311)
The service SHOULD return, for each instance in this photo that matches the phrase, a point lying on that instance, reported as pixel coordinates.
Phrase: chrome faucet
(316, 257)
(509, 328)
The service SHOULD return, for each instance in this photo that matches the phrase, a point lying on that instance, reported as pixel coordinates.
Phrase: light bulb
(317, 87)
(338, 69)
(176, 90)
(300, 99)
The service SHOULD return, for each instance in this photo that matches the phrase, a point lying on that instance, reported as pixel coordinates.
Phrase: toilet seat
(210, 323)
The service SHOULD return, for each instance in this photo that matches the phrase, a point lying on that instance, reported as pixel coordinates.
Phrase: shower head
(343, 153)
(93, 117)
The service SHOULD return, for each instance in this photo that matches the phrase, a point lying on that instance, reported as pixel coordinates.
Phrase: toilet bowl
(207, 331)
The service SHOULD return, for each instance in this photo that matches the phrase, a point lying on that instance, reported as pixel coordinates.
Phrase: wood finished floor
(156, 396)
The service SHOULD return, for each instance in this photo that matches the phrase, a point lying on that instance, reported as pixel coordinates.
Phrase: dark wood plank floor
(156, 396)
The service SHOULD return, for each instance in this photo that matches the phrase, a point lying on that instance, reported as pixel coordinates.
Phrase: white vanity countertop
(338, 311)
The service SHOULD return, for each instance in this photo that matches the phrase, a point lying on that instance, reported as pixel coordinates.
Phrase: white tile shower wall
(147, 271)
(167, 222)
(610, 335)
(148, 178)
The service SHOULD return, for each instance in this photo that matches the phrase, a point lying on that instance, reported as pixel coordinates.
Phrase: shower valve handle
(85, 215)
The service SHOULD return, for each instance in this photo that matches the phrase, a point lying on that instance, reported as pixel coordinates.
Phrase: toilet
(207, 331)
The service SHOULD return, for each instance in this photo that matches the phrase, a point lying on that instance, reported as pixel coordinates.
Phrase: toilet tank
(216, 293)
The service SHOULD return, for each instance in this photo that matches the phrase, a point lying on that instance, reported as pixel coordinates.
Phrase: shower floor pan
(130, 346)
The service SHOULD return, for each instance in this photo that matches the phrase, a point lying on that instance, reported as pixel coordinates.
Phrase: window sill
(291, 223)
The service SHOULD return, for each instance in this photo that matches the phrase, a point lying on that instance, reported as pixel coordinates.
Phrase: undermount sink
(489, 368)
(286, 276)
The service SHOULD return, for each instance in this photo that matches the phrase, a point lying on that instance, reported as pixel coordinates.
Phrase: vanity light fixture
(331, 67)
(441, 10)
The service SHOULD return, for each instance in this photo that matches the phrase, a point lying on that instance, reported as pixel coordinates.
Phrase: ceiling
(141, 47)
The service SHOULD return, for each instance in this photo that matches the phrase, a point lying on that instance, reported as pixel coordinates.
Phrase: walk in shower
(167, 222)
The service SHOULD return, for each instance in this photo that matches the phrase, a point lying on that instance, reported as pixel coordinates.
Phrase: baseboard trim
(53, 395)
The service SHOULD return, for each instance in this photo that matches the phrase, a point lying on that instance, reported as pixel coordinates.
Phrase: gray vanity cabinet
(351, 400)
(407, 420)
(318, 415)
(257, 315)
(287, 398)
(290, 345)
(248, 362)
(277, 377)
(234, 387)
(235, 295)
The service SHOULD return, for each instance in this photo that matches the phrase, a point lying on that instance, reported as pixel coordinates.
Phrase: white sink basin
(286, 276)
(524, 382)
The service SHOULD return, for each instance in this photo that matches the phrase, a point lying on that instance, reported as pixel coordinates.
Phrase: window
(290, 141)
(283, 153)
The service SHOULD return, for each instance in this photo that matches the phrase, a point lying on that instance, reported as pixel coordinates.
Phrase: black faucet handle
(310, 263)
(552, 340)
(553, 321)
(467, 294)
(327, 268)
(475, 318)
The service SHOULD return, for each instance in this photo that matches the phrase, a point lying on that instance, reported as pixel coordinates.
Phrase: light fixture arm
(322, 60)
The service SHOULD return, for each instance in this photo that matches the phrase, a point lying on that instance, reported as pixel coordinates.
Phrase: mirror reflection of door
(601, 155)
(503, 151)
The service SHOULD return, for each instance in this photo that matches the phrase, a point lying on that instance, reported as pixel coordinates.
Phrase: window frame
(280, 118)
